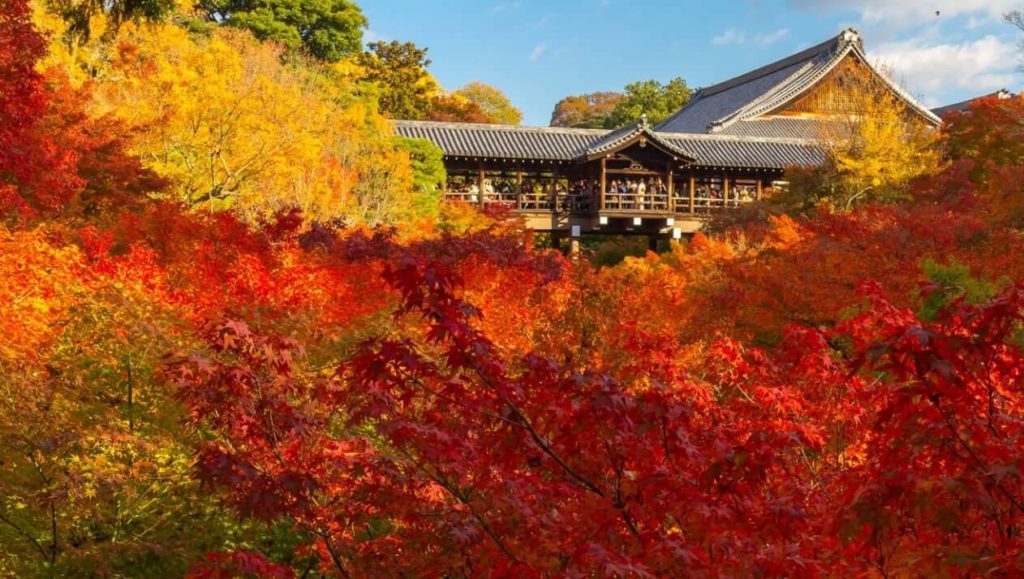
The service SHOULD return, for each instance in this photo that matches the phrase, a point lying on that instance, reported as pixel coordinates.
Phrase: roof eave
(633, 138)
(910, 101)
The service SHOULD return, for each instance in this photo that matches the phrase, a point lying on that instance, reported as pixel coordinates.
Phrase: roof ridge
(964, 103)
(605, 133)
(738, 138)
(782, 93)
(501, 127)
(848, 35)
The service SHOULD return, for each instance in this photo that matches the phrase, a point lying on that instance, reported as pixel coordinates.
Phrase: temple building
(729, 145)
(964, 106)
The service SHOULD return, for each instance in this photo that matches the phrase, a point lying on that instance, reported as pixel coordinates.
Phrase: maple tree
(988, 133)
(281, 389)
(492, 102)
(588, 111)
(35, 173)
(532, 434)
(453, 108)
(580, 465)
(983, 143)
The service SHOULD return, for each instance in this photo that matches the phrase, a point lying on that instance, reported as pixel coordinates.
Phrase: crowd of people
(578, 196)
(711, 195)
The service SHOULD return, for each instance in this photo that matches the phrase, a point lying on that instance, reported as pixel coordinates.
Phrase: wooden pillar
(604, 183)
(554, 189)
(693, 194)
(556, 240)
(725, 190)
(519, 188)
(480, 177)
(671, 190)
(760, 189)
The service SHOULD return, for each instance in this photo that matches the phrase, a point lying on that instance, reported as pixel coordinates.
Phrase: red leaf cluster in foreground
(434, 452)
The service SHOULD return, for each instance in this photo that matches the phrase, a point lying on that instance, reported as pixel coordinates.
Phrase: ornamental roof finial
(851, 36)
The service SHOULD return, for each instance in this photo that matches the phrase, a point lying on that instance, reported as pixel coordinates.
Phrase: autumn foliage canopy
(244, 389)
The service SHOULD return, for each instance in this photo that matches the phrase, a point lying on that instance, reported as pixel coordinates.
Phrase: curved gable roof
(771, 87)
(627, 135)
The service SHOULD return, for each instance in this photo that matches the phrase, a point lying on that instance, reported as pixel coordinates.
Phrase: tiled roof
(614, 140)
(503, 141)
(715, 108)
(779, 128)
(565, 144)
(746, 152)
(964, 105)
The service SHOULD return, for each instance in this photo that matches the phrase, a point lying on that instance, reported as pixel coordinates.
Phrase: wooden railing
(636, 202)
(582, 204)
(534, 202)
(563, 202)
(709, 204)
(462, 196)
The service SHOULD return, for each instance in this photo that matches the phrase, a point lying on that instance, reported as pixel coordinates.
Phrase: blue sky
(540, 51)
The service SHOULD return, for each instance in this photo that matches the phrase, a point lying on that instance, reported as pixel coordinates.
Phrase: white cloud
(506, 6)
(538, 51)
(544, 20)
(730, 36)
(975, 66)
(914, 12)
(771, 37)
(735, 36)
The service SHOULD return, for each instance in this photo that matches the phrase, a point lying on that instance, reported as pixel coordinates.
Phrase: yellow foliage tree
(873, 150)
(233, 127)
(883, 148)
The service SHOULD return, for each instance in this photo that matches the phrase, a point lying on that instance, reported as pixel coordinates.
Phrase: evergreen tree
(326, 29)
